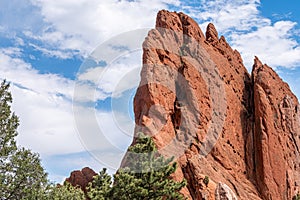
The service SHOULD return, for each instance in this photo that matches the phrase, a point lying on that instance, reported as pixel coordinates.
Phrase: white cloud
(43, 103)
(66, 28)
(53, 53)
(117, 128)
(21, 73)
(69, 28)
(12, 51)
(19, 16)
(115, 78)
(46, 123)
(254, 35)
(82, 24)
(272, 44)
(104, 134)
(247, 30)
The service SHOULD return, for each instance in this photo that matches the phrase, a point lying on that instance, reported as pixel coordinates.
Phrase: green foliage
(66, 191)
(147, 175)
(296, 197)
(100, 188)
(206, 180)
(22, 177)
(9, 123)
(21, 174)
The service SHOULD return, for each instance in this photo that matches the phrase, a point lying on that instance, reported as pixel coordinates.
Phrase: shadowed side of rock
(199, 103)
(276, 134)
(181, 70)
(81, 178)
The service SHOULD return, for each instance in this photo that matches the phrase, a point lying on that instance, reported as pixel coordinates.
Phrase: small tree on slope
(147, 176)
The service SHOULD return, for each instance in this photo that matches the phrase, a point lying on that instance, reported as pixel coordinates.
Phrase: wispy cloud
(43, 102)
(82, 25)
(48, 121)
(63, 29)
(53, 53)
(19, 72)
(112, 79)
(273, 44)
(250, 32)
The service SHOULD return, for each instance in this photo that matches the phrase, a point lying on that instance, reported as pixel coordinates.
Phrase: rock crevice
(200, 104)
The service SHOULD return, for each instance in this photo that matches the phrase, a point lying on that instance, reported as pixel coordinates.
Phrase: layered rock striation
(200, 105)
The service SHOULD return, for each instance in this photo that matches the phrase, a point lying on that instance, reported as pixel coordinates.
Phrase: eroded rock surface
(199, 103)
(276, 134)
(223, 192)
(81, 178)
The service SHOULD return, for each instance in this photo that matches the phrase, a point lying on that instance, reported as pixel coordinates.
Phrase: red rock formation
(276, 134)
(199, 103)
(81, 178)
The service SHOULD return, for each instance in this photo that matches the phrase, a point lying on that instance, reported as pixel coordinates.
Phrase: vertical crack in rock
(176, 118)
(199, 103)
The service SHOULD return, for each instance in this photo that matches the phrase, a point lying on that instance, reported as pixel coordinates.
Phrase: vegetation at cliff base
(21, 173)
(146, 175)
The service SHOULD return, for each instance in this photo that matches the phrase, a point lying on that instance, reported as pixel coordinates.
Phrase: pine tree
(65, 191)
(21, 174)
(24, 178)
(100, 187)
(147, 175)
(9, 123)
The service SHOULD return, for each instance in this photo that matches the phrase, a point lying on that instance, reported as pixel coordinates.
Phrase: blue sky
(75, 100)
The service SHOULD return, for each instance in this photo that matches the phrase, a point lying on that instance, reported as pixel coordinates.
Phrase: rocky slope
(200, 104)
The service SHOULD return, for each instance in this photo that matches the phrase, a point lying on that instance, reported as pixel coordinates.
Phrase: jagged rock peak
(257, 63)
(211, 33)
(257, 66)
(276, 134)
(192, 88)
(179, 22)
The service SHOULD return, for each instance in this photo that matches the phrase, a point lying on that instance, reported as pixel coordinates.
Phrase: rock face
(199, 103)
(81, 178)
(223, 192)
(276, 134)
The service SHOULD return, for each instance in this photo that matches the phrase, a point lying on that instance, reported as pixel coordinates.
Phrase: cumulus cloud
(46, 124)
(247, 30)
(68, 28)
(43, 102)
(82, 25)
(64, 29)
(273, 44)
(21, 73)
(112, 79)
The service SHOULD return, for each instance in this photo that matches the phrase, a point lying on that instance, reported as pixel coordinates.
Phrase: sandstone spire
(199, 103)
